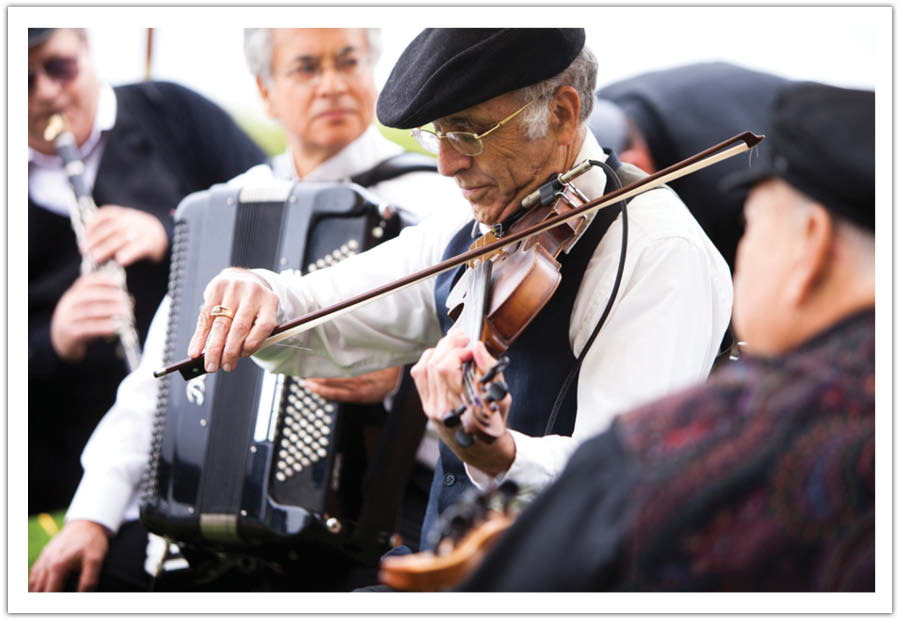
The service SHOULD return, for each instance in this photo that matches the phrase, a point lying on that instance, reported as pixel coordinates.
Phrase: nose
(450, 162)
(44, 87)
(331, 82)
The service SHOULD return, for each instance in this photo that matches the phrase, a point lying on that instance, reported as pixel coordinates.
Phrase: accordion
(249, 459)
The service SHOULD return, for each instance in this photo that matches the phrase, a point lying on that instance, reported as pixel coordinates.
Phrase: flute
(80, 213)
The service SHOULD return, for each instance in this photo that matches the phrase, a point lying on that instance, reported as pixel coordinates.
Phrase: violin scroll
(479, 395)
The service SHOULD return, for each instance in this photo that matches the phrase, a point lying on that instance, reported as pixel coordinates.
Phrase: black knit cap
(822, 142)
(445, 70)
(36, 36)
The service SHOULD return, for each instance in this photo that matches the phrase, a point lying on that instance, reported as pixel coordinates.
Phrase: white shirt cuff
(102, 497)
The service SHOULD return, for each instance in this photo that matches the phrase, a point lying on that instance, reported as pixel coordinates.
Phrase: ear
(264, 93)
(564, 110)
(815, 246)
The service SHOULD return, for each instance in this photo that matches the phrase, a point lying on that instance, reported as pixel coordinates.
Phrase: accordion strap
(395, 166)
(392, 461)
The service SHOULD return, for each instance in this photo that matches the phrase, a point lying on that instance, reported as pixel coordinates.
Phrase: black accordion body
(248, 459)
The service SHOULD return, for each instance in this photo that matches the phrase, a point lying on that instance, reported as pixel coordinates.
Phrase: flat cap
(445, 70)
(822, 142)
(36, 36)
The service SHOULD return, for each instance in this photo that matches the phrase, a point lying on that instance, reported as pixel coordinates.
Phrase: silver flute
(80, 213)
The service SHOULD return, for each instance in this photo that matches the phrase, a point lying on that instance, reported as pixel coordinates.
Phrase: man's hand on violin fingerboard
(439, 380)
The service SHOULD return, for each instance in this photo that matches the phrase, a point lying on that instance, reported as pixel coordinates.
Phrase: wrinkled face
(61, 79)
(322, 86)
(510, 167)
(765, 255)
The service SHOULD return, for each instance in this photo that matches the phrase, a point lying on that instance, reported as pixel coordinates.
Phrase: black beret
(445, 70)
(36, 36)
(822, 142)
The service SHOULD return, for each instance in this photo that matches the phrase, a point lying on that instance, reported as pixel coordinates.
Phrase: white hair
(581, 75)
(258, 50)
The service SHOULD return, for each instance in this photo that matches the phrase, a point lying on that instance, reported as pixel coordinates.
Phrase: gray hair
(581, 75)
(258, 50)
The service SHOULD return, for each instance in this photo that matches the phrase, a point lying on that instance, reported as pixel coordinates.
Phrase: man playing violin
(509, 108)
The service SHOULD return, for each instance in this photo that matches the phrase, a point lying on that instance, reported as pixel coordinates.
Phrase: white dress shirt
(48, 185)
(117, 453)
(663, 331)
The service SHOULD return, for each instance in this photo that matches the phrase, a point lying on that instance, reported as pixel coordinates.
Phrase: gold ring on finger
(220, 311)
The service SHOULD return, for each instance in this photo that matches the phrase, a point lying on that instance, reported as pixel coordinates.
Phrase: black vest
(540, 359)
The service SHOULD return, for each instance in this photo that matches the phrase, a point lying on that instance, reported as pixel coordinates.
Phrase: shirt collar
(358, 156)
(104, 120)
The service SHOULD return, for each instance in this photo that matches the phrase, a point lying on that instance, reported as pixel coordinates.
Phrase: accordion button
(326, 430)
(305, 461)
(323, 441)
(321, 452)
(297, 467)
(280, 476)
(353, 243)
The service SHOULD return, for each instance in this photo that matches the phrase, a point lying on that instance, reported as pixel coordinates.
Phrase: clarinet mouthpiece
(55, 126)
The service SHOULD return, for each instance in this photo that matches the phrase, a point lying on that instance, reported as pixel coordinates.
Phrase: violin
(500, 294)
(465, 532)
(191, 367)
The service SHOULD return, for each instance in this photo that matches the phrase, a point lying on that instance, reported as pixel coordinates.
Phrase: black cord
(610, 174)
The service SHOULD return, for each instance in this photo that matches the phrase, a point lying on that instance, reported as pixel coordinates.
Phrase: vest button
(449, 479)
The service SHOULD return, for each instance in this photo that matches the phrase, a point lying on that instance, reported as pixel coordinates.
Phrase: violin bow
(736, 145)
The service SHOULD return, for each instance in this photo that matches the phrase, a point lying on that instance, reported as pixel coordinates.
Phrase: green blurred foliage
(270, 136)
(38, 537)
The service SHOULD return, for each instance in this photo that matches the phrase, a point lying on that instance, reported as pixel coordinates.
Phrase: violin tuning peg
(452, 419)
(464, 439)
(502, 364)
(496, 391)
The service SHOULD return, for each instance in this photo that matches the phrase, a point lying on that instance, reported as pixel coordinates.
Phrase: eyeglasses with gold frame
(464, 142)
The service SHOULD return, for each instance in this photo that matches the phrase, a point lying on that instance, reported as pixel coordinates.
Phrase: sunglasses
(464, 142)
(60, 69)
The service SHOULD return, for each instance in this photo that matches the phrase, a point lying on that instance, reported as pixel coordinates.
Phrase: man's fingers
(482, 357)
(262, 327)
(102, 249)
(201, 332)
(90, 574)
(332, 389)
(36, 577)
(56, 576)
(238, 328)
